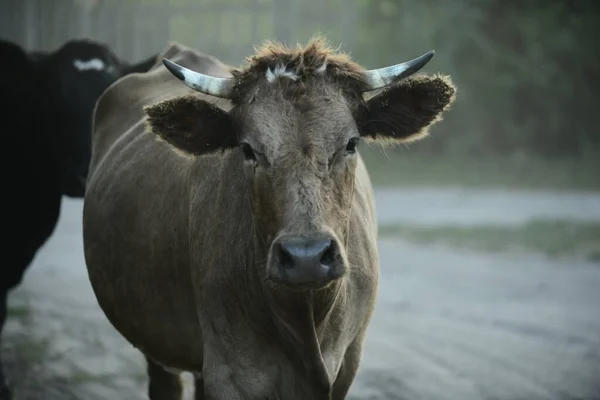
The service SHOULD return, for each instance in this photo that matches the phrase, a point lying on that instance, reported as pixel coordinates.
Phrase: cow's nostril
(328, 256)
(285, 258)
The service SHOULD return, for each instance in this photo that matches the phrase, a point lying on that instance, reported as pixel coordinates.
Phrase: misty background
(489, 228)
(528, 72)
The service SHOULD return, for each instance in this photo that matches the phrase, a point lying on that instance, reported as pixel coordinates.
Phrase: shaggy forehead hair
(299, 66)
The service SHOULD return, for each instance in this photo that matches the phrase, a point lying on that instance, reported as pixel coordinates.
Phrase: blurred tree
(527, 71)
(547, 55)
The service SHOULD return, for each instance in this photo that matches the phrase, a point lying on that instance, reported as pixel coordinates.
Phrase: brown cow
(232, 233)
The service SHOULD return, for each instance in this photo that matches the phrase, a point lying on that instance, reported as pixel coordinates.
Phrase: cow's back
(119, 111)
(137, 207)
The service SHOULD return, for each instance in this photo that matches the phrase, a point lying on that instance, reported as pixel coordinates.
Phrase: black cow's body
(46, 106)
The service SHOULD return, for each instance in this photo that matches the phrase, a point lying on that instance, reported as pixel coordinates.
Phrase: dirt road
(449, 324)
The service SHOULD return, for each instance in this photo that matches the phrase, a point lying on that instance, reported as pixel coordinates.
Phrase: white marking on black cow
(93, 64)
(280, 70)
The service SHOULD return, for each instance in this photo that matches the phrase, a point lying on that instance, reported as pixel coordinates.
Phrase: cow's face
(295, 125)
(76, 75)
(74, 78)
(298, 145)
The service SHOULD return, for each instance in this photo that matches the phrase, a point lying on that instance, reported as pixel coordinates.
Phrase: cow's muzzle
(306, 262)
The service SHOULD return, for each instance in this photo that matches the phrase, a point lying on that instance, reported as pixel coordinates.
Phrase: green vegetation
(18, 312)
(519, 89)
(554, 238)
(33, 351)
(524, 115)
(30, 351)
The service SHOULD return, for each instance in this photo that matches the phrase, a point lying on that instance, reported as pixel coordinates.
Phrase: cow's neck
(299, 319)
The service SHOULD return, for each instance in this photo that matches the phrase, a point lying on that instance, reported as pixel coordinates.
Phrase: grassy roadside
(554, 238)
(403, 167)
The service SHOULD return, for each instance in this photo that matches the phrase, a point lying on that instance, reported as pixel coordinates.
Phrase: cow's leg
(5, 393)
(162, 384)
(348, 370)
(199, 388)
(10, 278)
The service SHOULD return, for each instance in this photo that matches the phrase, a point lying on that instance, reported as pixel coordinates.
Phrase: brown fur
(304, 62)
(188, 123)
(179, 249)
(406, 111)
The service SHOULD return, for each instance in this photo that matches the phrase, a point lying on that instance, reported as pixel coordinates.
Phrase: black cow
(46, 106)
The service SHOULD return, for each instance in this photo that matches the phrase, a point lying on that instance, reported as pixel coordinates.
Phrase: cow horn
(378, 78)
(219, 87)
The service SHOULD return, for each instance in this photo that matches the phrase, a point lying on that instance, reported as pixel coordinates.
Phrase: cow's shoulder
(193, 59)
(121, 106)
(130, 93)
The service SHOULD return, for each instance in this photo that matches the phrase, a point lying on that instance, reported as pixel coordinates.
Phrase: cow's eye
(351, 146)
(248, 152)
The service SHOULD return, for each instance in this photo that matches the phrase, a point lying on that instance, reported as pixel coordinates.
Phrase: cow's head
(75, 76)
(296, 119)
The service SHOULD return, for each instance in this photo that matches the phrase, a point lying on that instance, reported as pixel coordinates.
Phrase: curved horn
(219, 87)
(378, 78)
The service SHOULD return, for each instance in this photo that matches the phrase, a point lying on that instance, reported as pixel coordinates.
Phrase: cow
(46, 105)
(229, 222)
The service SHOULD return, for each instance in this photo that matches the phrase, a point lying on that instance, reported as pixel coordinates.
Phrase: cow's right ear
(192, 125)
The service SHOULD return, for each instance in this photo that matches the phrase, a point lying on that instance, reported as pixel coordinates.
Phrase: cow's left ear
(405, 111)
(192, 125)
